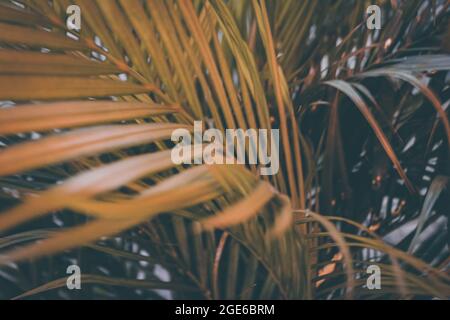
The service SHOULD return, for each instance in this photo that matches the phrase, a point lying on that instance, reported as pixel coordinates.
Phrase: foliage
(86, 175)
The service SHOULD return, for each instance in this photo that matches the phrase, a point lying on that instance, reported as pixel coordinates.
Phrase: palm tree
(86, 174)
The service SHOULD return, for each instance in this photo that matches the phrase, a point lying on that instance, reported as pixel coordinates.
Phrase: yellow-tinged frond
(42, 117)
(78, 143)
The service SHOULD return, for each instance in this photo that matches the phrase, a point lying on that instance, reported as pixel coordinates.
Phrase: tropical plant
(86, 175)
